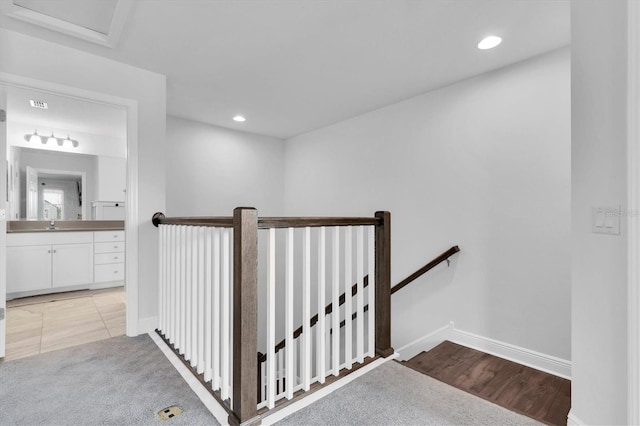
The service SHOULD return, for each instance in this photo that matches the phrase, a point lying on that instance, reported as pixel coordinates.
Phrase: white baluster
(176, 291)
(172, 326)
(335, 296)
(217, 309)
(305, 343)
(225, 320)
(288, 322)
(188, 291)
(161, 277)
(194, 296)
(320, 334)
(207, 304)
(372, 291)
(360, 294)
(182, 287)
(348, 297)
(271, 318)
(201, 299)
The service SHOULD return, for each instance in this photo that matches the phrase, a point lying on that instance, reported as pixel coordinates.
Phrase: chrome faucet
(52, 224)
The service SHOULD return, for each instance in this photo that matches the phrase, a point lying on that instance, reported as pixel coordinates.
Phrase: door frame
(131, 204)
(633, 213)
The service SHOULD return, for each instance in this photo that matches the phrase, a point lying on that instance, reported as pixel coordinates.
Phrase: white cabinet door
(72, 264)
(29, 268)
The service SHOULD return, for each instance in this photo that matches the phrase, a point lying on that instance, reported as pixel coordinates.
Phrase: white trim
(573, 420)
(132, 219)
(3, 222)
(321, 393)
(207, 399)
(147, 325)
(539, 361)
(426, 343)
(633, 200)
(550, 364)
(45, 21)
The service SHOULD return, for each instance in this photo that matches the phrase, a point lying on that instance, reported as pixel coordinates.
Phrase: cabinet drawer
(111, 272)
(114, 247)
(105, 258)
(104, 236)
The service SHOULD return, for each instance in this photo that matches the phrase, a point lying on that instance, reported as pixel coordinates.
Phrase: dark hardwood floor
(522, 389)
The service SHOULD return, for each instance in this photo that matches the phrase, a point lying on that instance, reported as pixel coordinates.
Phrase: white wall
(485, 164)
(599, 167)
(212, 170)
(24, 56)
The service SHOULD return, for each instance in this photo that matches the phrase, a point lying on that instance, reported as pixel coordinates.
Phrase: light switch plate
(605, 220)
(3, 214)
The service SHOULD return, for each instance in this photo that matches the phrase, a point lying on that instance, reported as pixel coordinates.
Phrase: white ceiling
(294, 66)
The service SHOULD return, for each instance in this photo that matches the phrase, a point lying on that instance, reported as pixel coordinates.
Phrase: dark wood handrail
(301, 222)
(354, 290)
(267, 222)
(429, 266)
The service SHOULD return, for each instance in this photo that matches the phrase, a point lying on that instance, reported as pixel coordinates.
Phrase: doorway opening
(66, 269)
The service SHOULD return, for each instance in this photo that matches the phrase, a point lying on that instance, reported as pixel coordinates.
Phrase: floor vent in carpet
(169, 412)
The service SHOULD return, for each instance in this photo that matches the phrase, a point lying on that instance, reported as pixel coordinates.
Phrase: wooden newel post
(245, 314)
(383, 285)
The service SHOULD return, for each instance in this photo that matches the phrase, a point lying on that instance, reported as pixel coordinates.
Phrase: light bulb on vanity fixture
(32, 137)
(51, 139)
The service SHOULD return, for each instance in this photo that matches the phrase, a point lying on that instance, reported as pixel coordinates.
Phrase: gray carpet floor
(119, 381)
(396, 395)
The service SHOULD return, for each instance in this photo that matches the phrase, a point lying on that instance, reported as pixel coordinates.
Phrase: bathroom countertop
(23, 226)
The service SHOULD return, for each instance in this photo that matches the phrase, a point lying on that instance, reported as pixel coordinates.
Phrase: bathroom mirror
(54, 194)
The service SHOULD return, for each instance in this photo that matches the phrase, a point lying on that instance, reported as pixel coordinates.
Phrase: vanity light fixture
(239, 118)
(35, 137)
(489, 42)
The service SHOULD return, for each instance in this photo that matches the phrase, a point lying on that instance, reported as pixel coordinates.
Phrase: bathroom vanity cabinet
(48, 262)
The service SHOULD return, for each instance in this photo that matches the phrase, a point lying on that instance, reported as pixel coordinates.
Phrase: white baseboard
(550, 364)
(147, 325)
(426, 343)
(207, 399)
(573, 420)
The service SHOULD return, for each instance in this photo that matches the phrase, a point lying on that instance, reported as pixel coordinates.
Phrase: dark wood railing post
(245, 315)
(383, 285)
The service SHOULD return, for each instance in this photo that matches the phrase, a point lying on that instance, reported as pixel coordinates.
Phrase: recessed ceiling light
(489, 42)
(239, 118)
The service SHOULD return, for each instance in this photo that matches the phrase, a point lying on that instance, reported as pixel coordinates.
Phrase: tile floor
(45, 325)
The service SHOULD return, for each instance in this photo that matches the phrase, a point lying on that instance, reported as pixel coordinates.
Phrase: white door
(3, 222)
(32, 193)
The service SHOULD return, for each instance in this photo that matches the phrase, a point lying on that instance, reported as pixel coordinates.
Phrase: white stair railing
(195, 277)
(208, 301)
(336, 341)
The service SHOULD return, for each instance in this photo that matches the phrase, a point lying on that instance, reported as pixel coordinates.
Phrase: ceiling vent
(38, 104)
